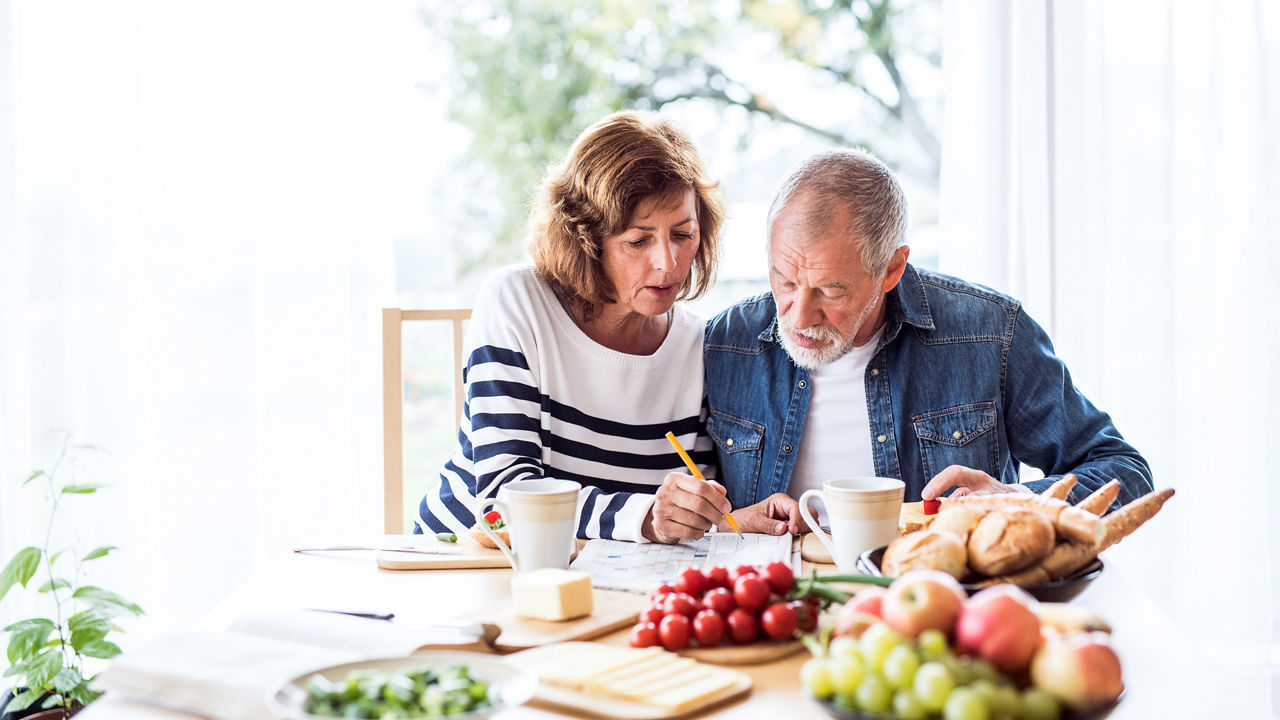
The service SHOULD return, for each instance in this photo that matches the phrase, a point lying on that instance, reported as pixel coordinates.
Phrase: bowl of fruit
(923, 649)
(743, 615)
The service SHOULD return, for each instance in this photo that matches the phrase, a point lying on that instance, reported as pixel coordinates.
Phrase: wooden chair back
(393, 320)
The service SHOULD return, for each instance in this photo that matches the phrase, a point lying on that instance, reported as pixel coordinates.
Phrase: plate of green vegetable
(441, 684)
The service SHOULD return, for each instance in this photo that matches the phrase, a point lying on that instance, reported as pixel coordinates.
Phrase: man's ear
(897, 266)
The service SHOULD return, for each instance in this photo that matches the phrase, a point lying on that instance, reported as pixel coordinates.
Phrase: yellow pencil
(698, 474)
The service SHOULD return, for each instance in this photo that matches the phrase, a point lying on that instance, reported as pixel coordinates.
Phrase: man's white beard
(833, 348)
(835, 345)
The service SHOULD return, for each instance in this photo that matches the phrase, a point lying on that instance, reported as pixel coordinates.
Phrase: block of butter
(552, 594)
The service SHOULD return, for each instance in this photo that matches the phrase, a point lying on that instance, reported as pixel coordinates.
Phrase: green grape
(965, 704)
(1005, 701)
(1036, 704)
(983, 670)
(932, 684)
(843, 646)
(876, 643)
(815, 675)
(907, 707)
(874, 694)
(900, 666)
(846, 701)
(958, 668)
(933, 644)
(846, 675)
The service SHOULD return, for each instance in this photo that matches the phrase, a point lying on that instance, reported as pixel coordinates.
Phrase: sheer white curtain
(198, 205)
(1117, 166)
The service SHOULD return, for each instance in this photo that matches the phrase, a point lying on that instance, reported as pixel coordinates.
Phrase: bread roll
(925, 550)
(1006, 541)
(478, 535)
(959, 520)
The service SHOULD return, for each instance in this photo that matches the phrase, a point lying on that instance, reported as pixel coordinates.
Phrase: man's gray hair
(857, 183)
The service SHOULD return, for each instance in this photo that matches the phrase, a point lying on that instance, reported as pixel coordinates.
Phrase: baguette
(1060, 489)
(1069, 522)
(1101, 499)
(1121, 523)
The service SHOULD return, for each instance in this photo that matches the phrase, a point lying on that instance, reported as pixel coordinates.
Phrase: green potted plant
(48, 655)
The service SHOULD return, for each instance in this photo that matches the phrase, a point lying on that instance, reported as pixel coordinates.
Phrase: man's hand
(684, 508)
(774, 515)
(966, 481)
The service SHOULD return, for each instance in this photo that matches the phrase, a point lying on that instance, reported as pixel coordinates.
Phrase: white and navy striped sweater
(544, 400)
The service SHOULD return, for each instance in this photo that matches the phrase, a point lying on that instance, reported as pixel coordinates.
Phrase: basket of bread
(1040, 542)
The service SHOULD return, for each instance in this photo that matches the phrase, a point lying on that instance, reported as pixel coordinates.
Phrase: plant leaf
(105, 600)
(81, 489)
(35, 474)
(42, 668)
(66, 680)
(87, 619)
(52, 700)
(83, 694)
(15, 669)
(20, 569)
(22, 701)
(53, 559)
(54, 584)
(84, 637)
(101, 649)
(99, 552)
(26, 637)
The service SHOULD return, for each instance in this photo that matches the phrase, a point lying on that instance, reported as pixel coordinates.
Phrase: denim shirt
(961, 376)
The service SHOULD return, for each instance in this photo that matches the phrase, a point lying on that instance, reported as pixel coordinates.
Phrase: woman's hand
(966, 481)
(684, 508)
(777, 514)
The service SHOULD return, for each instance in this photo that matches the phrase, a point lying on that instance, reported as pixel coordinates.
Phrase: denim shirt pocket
(739, 443)
(962, 435)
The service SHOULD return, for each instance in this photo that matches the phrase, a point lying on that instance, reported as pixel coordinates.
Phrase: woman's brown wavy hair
(611, 168)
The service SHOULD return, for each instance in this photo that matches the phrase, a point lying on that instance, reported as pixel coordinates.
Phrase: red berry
(779, 621)
(780, 577)
(720, 600)
(691, 581)
(718, 577)
(644, 635)
(751, 592)
(674, 631)
(743, 627)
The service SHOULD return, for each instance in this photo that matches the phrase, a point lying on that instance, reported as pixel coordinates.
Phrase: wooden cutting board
(753, 654)
(464, 554)
(613, 611)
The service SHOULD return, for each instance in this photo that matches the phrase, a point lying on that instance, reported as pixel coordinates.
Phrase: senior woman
(579, 365)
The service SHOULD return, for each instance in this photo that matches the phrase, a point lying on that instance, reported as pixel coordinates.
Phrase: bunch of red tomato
(741, 605)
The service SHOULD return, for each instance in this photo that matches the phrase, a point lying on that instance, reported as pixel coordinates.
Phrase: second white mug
(862, 512)
(541, 515)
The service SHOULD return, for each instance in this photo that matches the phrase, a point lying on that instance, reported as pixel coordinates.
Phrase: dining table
(1165, 674)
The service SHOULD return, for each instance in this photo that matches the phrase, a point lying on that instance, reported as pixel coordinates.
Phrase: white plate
(514, 685)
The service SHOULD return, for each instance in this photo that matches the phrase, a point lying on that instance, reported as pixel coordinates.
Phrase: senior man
(859, 364)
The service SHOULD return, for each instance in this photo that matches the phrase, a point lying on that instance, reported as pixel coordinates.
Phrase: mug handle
(812, 521)
(485, 505)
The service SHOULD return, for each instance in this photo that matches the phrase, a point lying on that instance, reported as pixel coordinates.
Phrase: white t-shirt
(837, 432)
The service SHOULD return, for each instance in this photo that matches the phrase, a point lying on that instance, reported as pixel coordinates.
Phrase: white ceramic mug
(541, 515)
(862, 512)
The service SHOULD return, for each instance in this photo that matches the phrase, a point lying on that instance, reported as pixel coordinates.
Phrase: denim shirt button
(803, 384)
(875, 372)
(957, 434)
(881, 437)
(786, 448)
(728, 442)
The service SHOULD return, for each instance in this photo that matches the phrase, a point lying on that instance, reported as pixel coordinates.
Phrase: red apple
(869, 599)
(923, 599)
(853, 623)
(999, 624)
(1081, 670)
